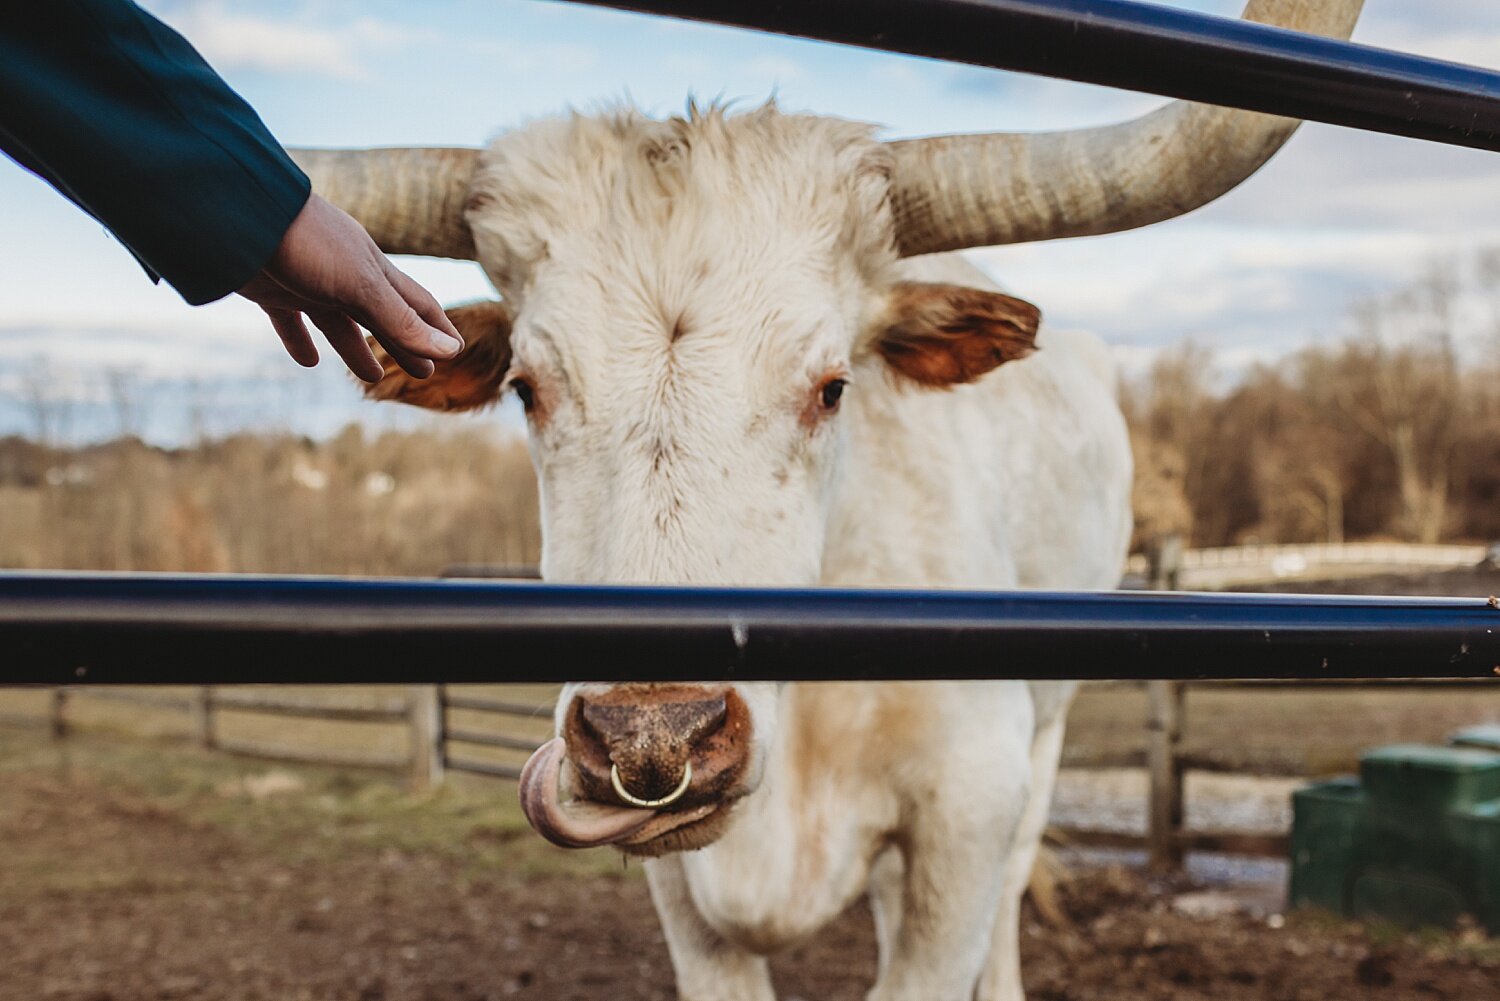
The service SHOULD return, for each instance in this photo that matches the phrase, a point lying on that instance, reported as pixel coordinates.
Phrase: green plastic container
(1485, 736)
(1414, 840)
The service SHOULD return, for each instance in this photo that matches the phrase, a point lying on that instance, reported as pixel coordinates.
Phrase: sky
(1338, 217)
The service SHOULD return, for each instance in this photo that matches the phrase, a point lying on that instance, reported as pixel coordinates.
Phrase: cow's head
(688, 307)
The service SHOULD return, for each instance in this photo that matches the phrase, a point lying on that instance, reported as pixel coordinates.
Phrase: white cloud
(1340, 177)
(232, 39)
(1231, 286)
(1459, 46)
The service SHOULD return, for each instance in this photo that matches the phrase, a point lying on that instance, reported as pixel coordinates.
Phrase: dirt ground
(132, 875)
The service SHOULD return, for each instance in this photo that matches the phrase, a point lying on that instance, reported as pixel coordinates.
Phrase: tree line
(1391, 432)
(397, 503)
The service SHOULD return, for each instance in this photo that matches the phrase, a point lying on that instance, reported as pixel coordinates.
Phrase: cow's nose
(648, 739)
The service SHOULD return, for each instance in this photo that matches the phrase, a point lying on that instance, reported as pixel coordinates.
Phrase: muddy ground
(121, 881)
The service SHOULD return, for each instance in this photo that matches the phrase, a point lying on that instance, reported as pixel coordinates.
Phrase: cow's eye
(833, 391)
(524, 392)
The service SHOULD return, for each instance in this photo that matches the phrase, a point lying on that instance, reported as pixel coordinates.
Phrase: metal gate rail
(1148, 48)
(127, 628)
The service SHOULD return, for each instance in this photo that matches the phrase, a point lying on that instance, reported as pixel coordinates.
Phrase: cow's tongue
(584, 823)
(579, 824)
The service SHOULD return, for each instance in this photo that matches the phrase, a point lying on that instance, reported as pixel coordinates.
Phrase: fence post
(427, 725)
(1164, 558)
(58, 718)
(1163, 750)
(202, 712)
(1164, 731)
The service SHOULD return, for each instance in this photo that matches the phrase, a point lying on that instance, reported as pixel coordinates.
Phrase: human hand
(328, 270)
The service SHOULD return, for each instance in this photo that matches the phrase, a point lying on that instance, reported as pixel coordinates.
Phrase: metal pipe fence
(1148, 48)
(93, 629)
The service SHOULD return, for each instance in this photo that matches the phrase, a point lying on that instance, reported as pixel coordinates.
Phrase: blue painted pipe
(137, 628)
(1144, 47)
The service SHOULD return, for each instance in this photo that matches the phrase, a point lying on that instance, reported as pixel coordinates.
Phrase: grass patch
(288, 813)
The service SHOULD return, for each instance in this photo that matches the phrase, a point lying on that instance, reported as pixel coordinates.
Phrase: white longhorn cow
(738, 370)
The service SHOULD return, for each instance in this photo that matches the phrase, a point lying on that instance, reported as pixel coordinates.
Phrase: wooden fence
(439, 745)
(1166, 566)
(1232, 565)
(449, 735)
(423, 710)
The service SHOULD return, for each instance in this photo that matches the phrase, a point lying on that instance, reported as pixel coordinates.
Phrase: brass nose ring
(651, 804)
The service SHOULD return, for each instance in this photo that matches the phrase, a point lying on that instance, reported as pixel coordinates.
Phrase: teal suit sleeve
(121, 115)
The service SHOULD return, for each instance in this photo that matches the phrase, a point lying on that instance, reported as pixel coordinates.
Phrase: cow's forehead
(638, 335)
(671, 205)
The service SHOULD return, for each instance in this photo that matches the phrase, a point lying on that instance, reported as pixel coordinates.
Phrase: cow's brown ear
(472, 379)
(942, 335)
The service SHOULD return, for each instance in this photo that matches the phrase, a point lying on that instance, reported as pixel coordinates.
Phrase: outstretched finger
(413, 365)
(344, 337)
(294, 336)
(421, 300)
(398, 327)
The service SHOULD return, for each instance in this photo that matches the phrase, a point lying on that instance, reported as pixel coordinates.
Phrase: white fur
(764, 242)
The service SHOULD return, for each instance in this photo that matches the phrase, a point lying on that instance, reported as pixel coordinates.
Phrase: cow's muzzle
(635, 762)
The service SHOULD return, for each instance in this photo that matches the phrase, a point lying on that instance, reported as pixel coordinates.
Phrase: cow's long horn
(410, 199)
(957, 191)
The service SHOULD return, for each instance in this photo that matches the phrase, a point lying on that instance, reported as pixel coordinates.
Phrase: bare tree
(48, 405)
(126, 400)
(1400, 386)
(1166, 410)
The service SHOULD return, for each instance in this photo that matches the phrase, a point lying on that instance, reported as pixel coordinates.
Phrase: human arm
(121, 115)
